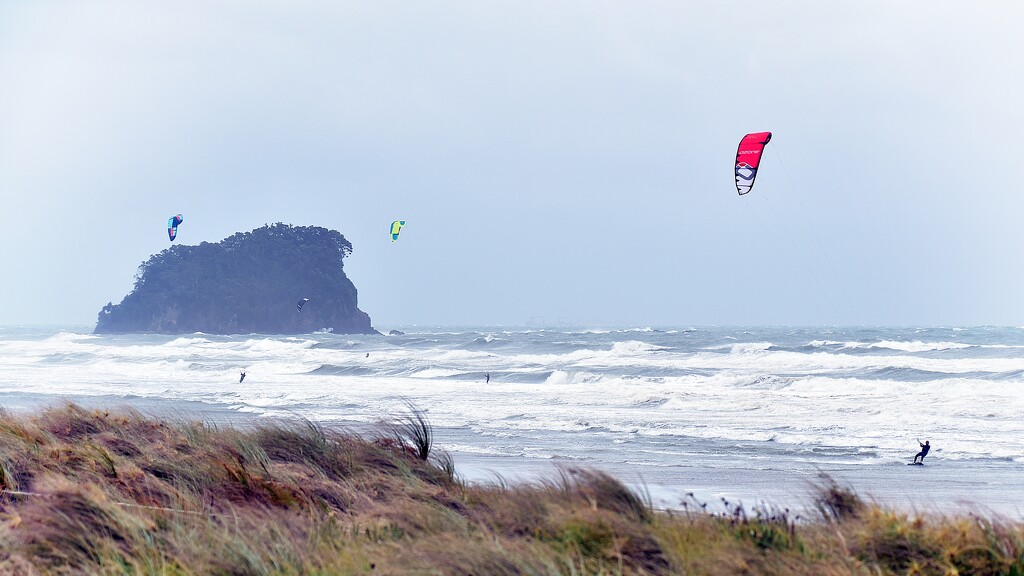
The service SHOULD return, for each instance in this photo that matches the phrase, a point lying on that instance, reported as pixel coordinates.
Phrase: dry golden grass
(98, 492)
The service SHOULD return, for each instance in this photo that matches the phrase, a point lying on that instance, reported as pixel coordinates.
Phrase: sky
(563, 162)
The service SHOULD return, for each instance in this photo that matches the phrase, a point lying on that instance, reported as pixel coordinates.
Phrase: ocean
(724, 412)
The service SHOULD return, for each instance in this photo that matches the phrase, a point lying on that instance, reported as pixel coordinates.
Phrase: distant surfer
(924, 451)
(242, 377)
(367, 354)
(487, 378)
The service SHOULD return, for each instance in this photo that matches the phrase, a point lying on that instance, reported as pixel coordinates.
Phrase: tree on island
(247, 283)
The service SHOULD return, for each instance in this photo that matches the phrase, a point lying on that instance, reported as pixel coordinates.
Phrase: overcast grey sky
(568, 160)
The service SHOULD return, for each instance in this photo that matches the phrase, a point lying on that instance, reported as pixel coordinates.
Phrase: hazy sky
(564, 161)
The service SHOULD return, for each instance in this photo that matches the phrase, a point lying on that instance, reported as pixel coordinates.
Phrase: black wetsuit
(242, 378)
(488, 381)
(924, 452)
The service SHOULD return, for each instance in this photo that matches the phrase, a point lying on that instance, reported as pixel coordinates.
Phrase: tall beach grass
(117, 492)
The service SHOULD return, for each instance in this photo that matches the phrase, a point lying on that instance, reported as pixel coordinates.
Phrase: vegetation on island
(99, 492)
(247, 283)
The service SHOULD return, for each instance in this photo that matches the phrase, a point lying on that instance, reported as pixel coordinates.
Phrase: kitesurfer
(487, 378)
(924, 451)
(242, 377)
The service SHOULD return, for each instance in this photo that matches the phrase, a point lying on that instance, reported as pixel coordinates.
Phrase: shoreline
(943, 487)
(935, 489)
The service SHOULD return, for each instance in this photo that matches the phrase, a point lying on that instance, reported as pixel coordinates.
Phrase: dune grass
(99, 492)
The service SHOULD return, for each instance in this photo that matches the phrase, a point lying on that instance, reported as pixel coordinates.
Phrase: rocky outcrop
(250, 282)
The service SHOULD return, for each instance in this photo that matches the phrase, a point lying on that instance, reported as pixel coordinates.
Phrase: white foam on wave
(631, 347)
(625, 353)
(640, 329)
(600, 392)
(742, 347)
(914, 346)
(435, 373)
(908, 346)
(182, 342)
(475, 449)
(559, 377)
(63, 336)
(764, 360)
(272, 345)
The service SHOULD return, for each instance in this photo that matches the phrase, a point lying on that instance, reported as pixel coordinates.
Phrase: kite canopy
(172, 226)
(748, 156)
(301, 304)
(396, 228)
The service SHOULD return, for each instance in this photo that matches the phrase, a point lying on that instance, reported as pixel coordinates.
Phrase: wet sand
(940, 487)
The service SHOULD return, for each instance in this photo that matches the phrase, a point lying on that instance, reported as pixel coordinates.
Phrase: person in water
(487, 378)
(242, 377)
(924, 451)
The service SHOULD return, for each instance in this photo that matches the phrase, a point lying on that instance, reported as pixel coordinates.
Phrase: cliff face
(248, 283)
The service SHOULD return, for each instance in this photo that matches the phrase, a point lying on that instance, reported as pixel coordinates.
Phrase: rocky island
(250, 282)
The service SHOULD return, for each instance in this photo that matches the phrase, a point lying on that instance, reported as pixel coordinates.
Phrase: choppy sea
(658, 402)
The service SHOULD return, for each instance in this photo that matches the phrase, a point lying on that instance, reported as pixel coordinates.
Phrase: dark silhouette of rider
(924, 451)
(242, 377)
(487, 378)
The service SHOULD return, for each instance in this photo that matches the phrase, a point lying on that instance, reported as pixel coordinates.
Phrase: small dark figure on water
(367, 354)
(924, 451)
(487, 378)
(242, 377)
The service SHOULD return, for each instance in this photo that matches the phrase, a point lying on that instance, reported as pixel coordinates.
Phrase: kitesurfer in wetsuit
(487, 378)
(241, 378)
(924, 451)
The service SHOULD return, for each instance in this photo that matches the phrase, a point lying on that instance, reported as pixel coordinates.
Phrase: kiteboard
(915, 463)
